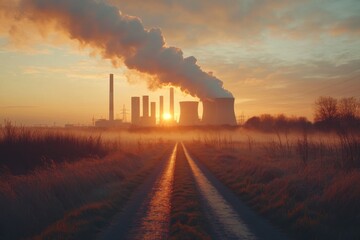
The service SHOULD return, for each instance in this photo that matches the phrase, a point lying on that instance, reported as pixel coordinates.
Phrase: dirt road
(148, 214)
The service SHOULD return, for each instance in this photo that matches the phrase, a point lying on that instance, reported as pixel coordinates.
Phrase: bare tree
(348, 108)
(326, 109)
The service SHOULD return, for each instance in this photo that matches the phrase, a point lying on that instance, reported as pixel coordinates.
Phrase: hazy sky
(273, 57)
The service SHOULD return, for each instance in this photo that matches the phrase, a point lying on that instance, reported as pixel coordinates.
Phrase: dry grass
(306, 183)
(187, 219)
(24, 149)
(67, 194)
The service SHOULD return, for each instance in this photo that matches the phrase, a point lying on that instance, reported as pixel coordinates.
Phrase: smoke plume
(121, 38)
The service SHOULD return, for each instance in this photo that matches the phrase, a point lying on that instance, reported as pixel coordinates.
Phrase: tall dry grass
(305, 182)
(80, 170)
(25, 149)
(31, 202)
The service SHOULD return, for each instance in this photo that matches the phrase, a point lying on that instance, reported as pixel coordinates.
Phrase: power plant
(216, 112)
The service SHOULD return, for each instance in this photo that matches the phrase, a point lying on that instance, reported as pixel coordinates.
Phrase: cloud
(118, 37)
(287, 87)
(248, 21)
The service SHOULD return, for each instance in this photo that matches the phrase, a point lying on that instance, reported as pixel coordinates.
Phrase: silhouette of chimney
(145, 106)
(172, 103)
(111, 98)
(153, 113)
(161, 108)
(135, 110)
(189, 113)
(219, 111)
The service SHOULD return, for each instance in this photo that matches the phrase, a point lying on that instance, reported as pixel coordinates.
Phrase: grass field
(57, 183)
(306, 184)
(90, 179)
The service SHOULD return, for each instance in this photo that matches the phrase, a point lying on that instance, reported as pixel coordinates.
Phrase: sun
(166, 116)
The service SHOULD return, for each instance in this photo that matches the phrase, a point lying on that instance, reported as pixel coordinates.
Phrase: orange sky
(274, 58)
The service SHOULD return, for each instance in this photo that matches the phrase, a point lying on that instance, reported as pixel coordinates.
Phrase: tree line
(330, 114)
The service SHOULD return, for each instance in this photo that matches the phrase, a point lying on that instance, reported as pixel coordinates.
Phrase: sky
(273, 57)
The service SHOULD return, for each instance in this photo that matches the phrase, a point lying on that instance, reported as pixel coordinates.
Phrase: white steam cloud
(121, 37)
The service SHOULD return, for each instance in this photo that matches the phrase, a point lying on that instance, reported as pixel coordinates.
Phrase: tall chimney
(111, 98)
(153, 113)
(172, 103)
(161, 110)
(135, 110)
(145, 106)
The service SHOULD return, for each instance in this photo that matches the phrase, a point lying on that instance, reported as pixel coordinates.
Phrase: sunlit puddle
(155, 224)
(227, 222)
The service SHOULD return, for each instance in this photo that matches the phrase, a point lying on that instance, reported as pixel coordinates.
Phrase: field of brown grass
(74, 181)
(68, 197)
(307, 185)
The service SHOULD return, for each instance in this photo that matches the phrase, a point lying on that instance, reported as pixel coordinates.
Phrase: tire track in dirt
(228, 216)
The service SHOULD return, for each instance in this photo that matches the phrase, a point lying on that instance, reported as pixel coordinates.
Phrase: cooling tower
(135, 110)
(145, 106)
(209, 116)
(161, 108)
(189, 113)
(111, 98)
(172, 103)
(219, 111)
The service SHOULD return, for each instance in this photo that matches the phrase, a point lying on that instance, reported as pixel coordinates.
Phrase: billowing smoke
(123, 38)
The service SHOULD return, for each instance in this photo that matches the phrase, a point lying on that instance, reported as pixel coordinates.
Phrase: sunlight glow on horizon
(166, 116)
(269, 69)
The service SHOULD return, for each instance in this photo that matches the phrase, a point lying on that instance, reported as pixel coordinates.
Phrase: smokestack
(161, 110)
(172, 103)
(189, 113)
(145, 106)
(135, 110)
(153, 113)
(111, 98)
(120, 38)
(219, 111)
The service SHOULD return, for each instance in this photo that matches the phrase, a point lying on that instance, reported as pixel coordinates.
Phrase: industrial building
(149, 120)
(216, 112)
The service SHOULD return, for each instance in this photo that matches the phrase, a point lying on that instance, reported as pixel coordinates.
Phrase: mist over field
(289, 177)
